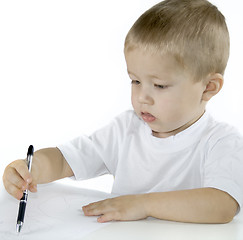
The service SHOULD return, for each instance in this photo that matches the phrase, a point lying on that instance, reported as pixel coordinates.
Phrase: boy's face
(163, 94)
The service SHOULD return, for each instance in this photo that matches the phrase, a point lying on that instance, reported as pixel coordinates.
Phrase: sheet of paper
(54, 212)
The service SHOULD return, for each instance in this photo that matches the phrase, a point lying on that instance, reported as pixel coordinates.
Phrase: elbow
(228, 214)
(226, 219)
(225, 208)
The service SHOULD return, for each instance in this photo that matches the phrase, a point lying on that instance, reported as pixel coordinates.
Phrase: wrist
(146, 203)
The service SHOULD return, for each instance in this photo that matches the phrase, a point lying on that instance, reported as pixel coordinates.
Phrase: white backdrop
(62, 70)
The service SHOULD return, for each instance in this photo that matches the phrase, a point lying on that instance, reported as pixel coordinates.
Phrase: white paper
(54, 212)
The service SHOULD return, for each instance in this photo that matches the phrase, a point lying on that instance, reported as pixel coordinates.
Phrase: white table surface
(55, 213)
(154, 229)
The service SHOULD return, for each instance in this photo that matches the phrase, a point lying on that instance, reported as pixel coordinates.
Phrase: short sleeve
(83, 158)
(224, 166)
(95, 155)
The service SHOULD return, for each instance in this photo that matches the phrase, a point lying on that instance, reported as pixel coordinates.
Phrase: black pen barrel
(22, 206)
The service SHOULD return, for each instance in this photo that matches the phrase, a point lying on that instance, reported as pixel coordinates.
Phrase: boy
(170, 159)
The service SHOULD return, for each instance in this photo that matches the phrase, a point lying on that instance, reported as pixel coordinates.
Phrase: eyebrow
(150, 76)
(130, 72)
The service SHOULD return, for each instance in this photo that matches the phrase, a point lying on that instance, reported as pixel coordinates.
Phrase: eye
(160, 86)
(135, 82)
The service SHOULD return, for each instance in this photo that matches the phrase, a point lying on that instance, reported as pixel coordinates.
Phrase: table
(55, 213)
(154, 229)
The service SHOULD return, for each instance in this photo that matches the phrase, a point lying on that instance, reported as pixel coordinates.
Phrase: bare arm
(51, 165)
(204, 205)
(48, 165)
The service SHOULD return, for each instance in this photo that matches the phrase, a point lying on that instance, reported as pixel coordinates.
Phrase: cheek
(192, 100)
(168, 102)
(187, 104)
(172, 107)
(133, 99)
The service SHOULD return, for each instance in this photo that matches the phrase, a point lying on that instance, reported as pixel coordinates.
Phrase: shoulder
(223, 137)
(220, 130)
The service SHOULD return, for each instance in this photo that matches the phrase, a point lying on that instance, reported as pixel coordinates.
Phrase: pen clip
(30, 150)
(29, 157)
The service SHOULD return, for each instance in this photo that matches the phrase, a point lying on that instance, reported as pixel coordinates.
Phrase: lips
(147, 117)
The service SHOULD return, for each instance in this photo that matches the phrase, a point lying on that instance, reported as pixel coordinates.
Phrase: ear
(214, 83)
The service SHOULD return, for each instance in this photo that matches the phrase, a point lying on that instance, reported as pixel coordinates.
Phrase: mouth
(147, 117)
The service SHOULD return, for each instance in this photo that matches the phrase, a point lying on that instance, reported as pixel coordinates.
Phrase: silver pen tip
(18, 227)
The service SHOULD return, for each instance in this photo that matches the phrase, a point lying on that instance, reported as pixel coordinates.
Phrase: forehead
(143, 62)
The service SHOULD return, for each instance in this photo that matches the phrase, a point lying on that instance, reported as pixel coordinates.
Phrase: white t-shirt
(207, 154)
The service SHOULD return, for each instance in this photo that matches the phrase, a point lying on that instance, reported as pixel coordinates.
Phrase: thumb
(33, 187)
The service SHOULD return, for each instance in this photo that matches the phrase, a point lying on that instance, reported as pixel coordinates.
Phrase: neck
(178, 130)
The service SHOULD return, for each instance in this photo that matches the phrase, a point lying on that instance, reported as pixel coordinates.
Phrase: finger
(90, 212)
(93, 210)
(91, 206)
(110, 216)
(23, 171)
(33, 187)
(94, 204)
(13, 190)
(14, 178)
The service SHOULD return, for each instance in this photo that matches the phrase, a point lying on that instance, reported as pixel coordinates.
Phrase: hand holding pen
(23, 200)
(48, 165)
(17, 178)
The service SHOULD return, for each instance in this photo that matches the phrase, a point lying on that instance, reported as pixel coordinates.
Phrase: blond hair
(194, 31)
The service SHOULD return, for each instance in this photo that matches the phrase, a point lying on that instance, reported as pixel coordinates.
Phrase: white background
(62, 71)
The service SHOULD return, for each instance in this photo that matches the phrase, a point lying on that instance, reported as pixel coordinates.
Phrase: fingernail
(33, 189)
(19, 195)
(28, 180)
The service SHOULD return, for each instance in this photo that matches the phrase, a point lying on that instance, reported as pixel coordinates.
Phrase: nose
(145, 97)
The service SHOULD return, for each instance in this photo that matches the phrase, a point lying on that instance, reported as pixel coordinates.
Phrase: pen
(23, 200)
